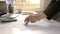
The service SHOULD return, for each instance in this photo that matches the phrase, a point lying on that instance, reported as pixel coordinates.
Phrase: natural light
(34, 1)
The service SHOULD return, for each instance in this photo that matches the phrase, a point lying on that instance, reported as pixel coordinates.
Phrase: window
(27, 4)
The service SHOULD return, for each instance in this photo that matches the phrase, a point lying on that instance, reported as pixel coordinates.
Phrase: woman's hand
(34, 18)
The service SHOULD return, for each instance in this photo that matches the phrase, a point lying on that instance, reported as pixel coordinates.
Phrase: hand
(34, 18)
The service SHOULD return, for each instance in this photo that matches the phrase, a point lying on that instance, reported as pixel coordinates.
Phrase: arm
(53, 10)
(49, 13)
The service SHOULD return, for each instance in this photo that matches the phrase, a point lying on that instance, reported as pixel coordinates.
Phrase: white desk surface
(43, 26)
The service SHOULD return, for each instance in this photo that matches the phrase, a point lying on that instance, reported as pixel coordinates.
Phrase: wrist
(42, 15)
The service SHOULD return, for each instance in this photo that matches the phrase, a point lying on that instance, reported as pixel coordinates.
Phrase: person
(53, 9)
(10, 8)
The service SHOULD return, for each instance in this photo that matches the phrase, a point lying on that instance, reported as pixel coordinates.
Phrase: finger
(27, 19)
(26, 23)
(33, 21)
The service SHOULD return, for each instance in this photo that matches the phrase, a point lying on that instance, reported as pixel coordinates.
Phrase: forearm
(41, 15)
(53, 10)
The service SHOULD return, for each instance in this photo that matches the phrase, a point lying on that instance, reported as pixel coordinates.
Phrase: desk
(43, 26)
